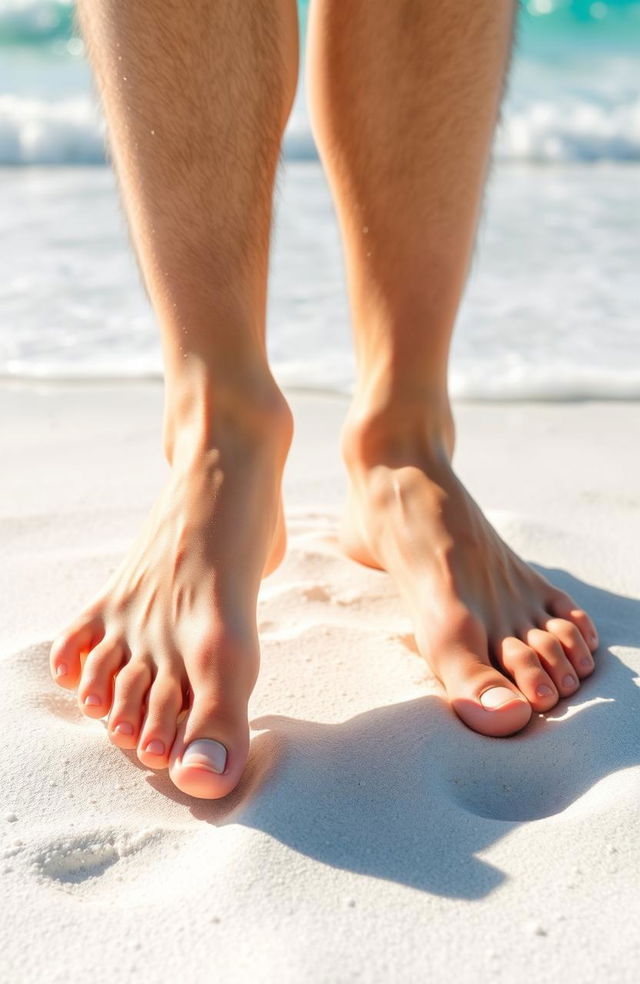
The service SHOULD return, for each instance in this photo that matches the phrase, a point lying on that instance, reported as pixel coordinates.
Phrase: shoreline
(541, 318)
(112, 382)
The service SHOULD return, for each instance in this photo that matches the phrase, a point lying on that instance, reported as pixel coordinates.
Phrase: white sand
(374, 837)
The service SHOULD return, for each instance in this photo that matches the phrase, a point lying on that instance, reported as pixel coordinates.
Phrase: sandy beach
(373, 837)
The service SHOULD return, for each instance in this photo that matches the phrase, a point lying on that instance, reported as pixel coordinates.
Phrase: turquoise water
(573, 92)
(47, 21)
(551, 308)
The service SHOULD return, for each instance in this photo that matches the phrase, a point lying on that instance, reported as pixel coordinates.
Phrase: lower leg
(404, 100)
(196, 99)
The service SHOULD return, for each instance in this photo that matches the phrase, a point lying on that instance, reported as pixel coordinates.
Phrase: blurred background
(551, 309)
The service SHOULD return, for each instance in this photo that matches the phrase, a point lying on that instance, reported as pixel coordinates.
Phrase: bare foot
(501, 638)
(175, 628)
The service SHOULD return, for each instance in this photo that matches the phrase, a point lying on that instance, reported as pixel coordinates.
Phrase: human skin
(196, 97)
(404, 99)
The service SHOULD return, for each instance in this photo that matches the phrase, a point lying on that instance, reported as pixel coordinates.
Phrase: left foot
(502, 640)
(175, 628)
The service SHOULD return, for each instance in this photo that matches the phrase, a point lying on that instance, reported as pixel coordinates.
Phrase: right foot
(501, 639)
(175, 628)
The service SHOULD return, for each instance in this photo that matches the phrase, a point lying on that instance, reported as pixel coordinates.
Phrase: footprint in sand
(96, 861)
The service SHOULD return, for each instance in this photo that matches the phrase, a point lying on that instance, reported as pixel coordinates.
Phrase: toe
(492, 705)
(554, 659)
(523, 664)
(95, 690)
(70, 648)
(211, 747)
(563, 606)
(131, 686)
(164, 703)
(483, 698)
(573, 644)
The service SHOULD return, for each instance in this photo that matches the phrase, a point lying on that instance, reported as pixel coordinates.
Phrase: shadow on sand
(407, 793)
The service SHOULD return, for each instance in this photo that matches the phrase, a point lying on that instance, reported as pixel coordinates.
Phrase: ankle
(397, 430)
(202, 412)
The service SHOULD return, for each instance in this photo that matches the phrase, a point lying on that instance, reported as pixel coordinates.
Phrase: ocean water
(551, 309)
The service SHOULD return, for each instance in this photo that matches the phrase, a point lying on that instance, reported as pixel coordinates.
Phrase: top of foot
(502, 640)
(168, 652)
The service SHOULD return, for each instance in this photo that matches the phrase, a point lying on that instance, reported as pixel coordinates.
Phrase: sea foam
(550, 310)
(71, 131)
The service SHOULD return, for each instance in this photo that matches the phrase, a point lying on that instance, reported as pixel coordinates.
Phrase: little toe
(523, 664)
(563, 606)
(70, 648)
(131, 686)
(95, 690)
(211, 747)
(573, 644)
(158, 733)
(554, 660)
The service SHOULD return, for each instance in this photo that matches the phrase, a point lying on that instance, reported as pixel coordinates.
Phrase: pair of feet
(169, 649)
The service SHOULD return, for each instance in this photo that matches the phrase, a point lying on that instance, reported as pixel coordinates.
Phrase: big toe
(489, 703)
(210, 750)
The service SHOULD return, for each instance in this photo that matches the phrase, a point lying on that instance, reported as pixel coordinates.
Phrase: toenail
(92, 701)
(543, 690)
(497, 696)
(569, 681)
(586, 662)
(124, 729)
(155, 747)
(205, 754)
(61, 669)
